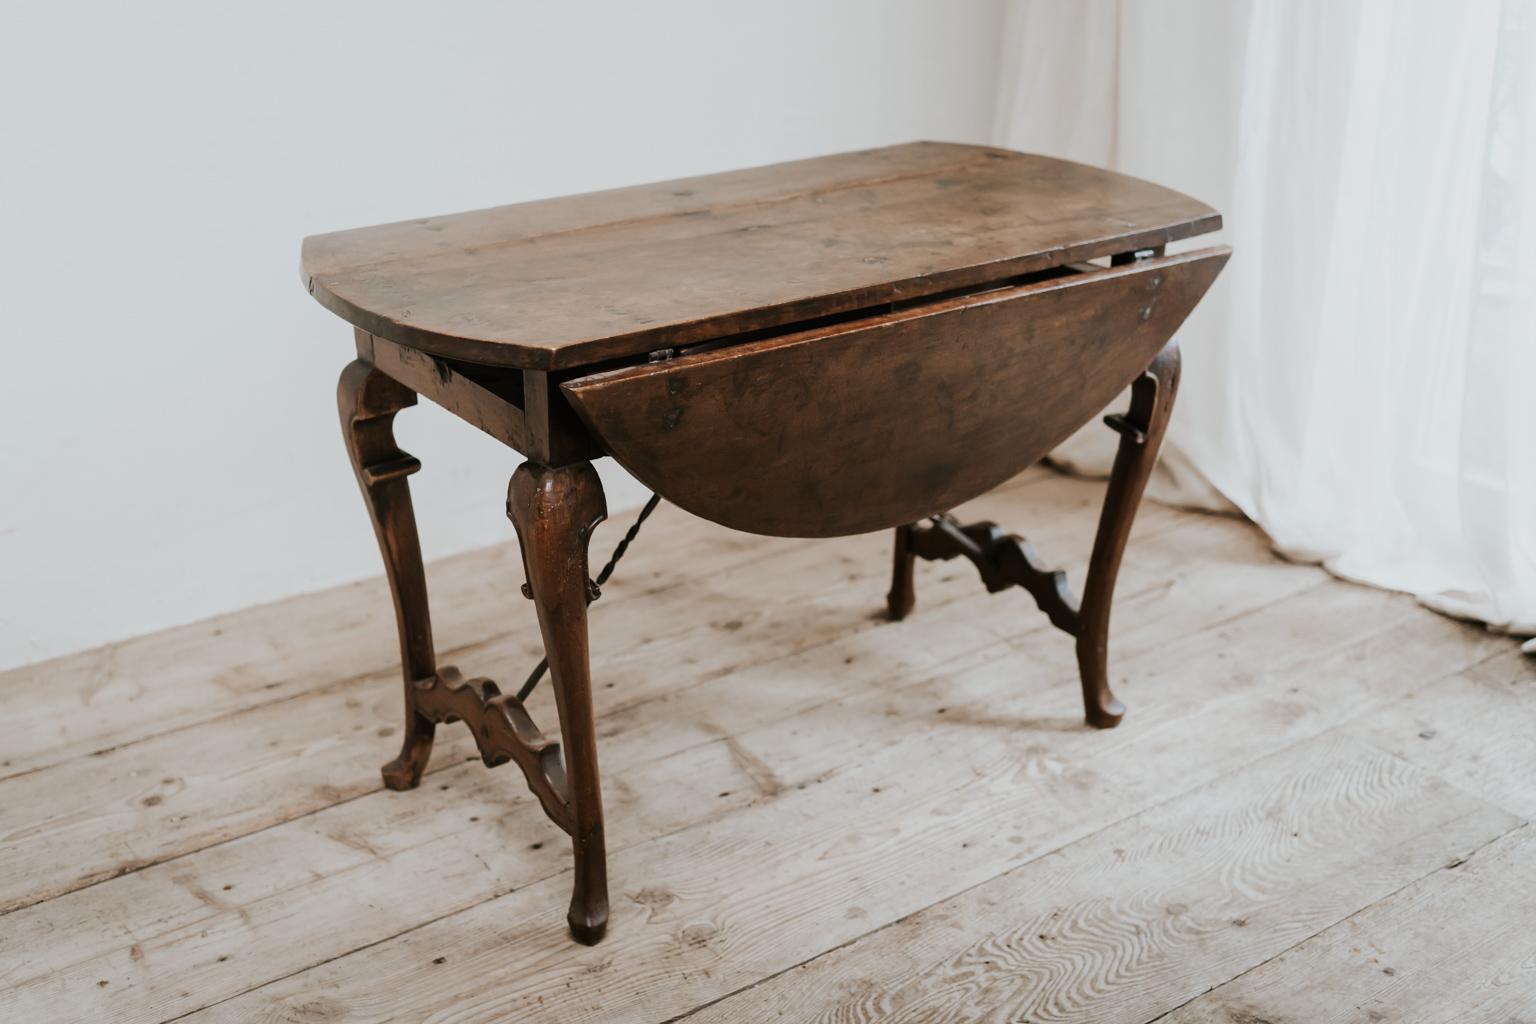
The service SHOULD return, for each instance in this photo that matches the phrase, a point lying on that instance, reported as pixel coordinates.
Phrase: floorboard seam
(458, 651)
(459, 910)
(662, 836)
(1355, 913)
(1292, 660)
(1089, 835)
(702, 679)
(447, 655)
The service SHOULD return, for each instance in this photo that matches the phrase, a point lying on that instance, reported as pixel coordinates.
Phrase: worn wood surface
(982, 337)
(790, 436)
(471, 400)
(1306, 760)
(576, 280)
(783, 436)
(555, 512)
(367, 401)
(1457, 945)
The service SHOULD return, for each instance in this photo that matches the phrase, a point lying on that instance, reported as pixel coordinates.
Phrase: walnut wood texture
(572, 281)
(1007, 560)
(368, 401)
(1141, 435)
(522, 409)
(1003, 559)
(884, 420)
(812, 349)
(555, 511)
(488, 410)
(503, 732)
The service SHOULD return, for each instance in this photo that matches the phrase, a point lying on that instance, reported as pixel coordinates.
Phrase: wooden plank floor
(1317, 809)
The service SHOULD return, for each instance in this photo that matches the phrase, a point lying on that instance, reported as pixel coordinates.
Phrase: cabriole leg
(554, 511)
(368, 401)
(1141, 435)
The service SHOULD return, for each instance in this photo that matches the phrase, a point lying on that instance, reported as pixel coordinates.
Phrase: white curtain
(1362, 381)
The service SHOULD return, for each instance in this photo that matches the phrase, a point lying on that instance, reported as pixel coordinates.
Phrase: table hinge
(1120, 259)
(1121, 423)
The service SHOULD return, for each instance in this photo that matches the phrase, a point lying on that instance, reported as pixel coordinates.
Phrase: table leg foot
(1101, 708)
(367, 401)
(405, 771)
(1141, 435)
(554, 511)
(588, 923)
(1006, 560)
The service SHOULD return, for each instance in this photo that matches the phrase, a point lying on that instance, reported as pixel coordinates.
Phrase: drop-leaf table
(812, 349)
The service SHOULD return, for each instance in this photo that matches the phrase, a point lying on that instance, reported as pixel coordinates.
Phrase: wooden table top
(584, 279)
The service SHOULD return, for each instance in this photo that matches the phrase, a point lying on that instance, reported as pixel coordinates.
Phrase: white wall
(168, 439)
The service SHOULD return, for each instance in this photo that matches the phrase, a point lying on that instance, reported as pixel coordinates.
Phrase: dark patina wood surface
(566, 282)
(853, 427)
(819, 348)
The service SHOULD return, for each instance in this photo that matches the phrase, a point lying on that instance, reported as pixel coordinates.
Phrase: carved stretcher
(816, 349)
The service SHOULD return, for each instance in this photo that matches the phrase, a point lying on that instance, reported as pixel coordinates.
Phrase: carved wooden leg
(1141, 434)
(899, 602)
(368, 401)
(554, 511)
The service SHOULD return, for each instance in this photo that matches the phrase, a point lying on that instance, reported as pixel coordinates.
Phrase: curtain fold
(1362, 380)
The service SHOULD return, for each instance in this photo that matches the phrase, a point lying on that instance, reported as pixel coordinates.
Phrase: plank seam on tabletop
(846, 185)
